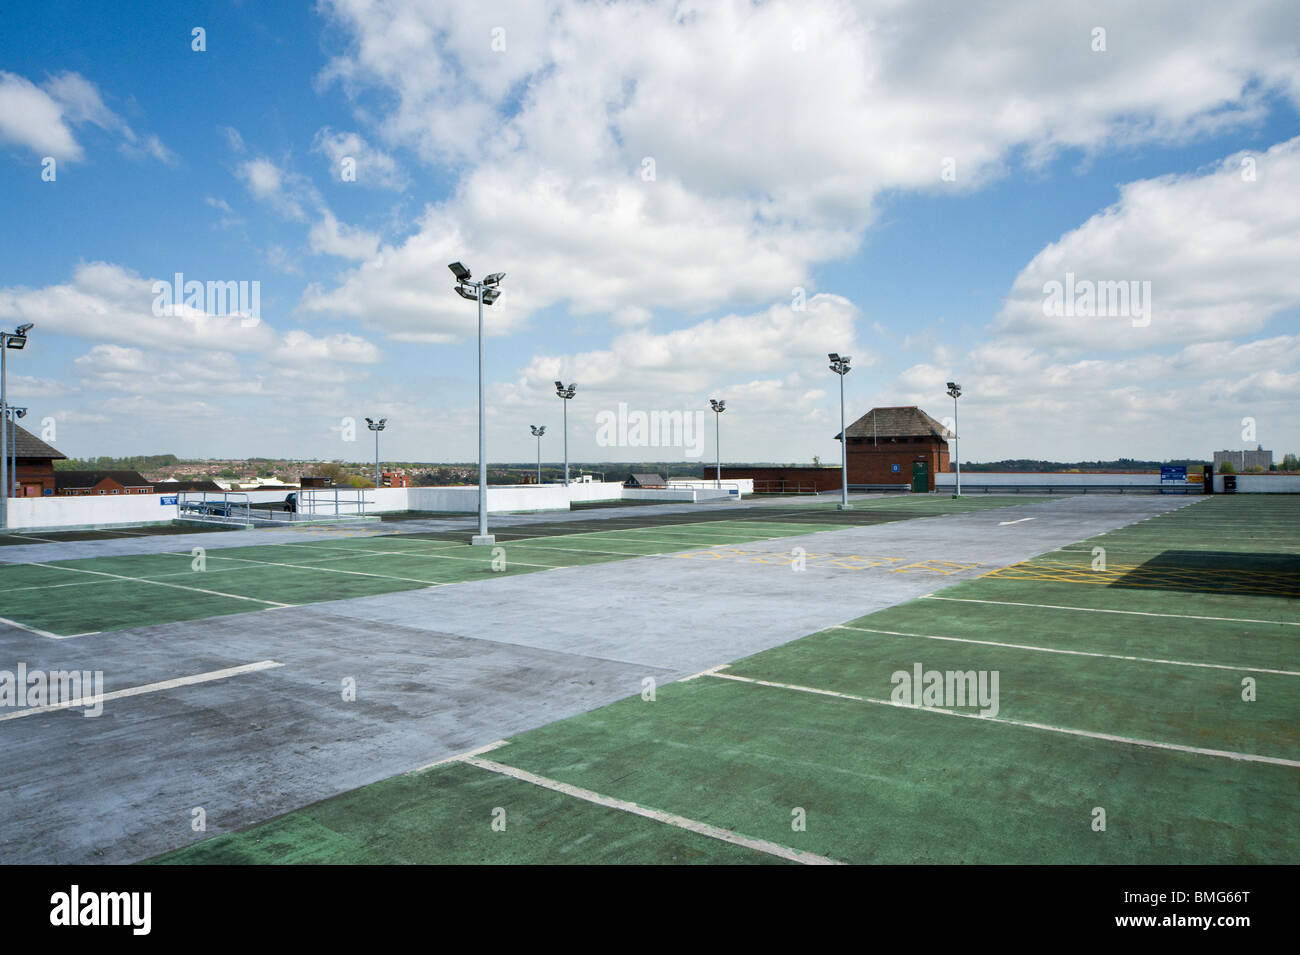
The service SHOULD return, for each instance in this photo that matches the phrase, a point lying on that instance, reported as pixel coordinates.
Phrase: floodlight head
(20, 412)
(16, 342)
(538, 430)
(559, 386)
(490, 295)
(954, 389)
(23, 329)
(369, 422)
(463, 292)
(494, 279)
(718, 406)
(382, 422)
(458, 270)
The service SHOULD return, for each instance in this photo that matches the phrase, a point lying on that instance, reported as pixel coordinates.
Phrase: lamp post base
(482, 540)
(843, 507)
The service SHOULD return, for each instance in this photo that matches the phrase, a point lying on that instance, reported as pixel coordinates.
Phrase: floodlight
(538, 430)
(833, 356)
(490, 295)
(494, 279)
(458, 270)
(16, 342)
(954, 389)
(369, 422)
(718, 406)
(559, 386)
(466, 293)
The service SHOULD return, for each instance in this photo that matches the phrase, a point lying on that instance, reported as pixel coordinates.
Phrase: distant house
(33, 462)
(80, 483)
(645, 480)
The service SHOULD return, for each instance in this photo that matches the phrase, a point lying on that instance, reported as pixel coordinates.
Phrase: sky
(1086, 213)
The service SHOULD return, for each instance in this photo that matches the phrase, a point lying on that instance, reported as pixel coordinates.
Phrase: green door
(920, 477)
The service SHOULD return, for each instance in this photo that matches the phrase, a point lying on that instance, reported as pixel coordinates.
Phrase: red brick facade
(875, 462)
(884, 444)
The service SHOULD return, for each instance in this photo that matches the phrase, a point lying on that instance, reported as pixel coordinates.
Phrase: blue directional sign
(1173, 474)
(165, 500)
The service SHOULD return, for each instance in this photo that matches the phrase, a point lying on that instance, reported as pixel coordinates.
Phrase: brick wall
(787, 479)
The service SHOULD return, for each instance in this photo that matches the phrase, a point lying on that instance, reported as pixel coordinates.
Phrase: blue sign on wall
(894, 468)
(1173, 474)
(164, 501)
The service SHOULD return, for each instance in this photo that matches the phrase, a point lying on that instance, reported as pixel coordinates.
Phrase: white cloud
(114, 307)
(1219, 252)
(371, 166)
(330, 237)
(32, 118)
(41, 118)
(772, 128)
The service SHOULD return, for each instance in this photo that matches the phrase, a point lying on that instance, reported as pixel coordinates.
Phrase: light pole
(954, 389)
(376, 427)
(12, 413)
(840, 365)
(485, 293)
(566, 394)
(17, 340)
(718, 408)
(538, 431)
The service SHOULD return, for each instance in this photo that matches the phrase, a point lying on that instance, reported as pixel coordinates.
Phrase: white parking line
(1073, 653)
(160, 583)
(1107, 737)
(147, 688)
(681, 822)
(1136, 613)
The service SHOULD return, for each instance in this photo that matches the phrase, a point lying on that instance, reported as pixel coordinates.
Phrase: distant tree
(1227, 467)
(1290, 462)
(1254, 469)
(329, 469)
(817, 461)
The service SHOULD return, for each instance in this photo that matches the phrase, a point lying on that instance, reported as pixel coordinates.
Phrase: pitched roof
(905, 422)
(24, 444)
(166, 487)
(64, 479)
(645, 480)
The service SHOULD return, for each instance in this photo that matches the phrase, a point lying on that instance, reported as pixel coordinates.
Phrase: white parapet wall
(1262, 483)
(90, 510)
(975, 480)
(736, 487)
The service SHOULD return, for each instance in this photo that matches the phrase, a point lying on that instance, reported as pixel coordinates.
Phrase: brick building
(897, 446)
(890, 446)
(80, 483)
(33, 463)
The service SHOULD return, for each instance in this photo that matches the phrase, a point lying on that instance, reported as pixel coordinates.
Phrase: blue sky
(794, 146)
